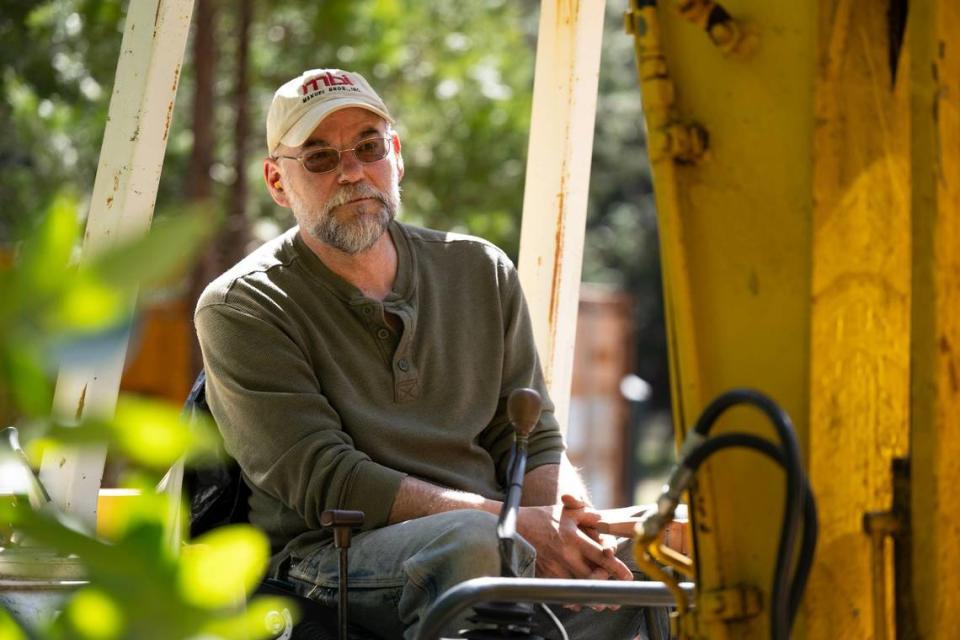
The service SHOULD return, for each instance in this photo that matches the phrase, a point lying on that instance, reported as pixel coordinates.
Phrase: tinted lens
(321, 160)
(371, 150)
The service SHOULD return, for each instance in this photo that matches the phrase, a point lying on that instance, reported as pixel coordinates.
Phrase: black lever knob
(523, 410)
(342, 522)
(341, 518)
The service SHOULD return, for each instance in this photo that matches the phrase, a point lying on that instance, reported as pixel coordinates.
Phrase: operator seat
(218, 496)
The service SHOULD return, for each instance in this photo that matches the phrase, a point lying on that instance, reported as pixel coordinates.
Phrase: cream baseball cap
(300, 104)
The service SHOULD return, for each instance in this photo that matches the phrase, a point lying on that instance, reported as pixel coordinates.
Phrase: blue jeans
(398, 571)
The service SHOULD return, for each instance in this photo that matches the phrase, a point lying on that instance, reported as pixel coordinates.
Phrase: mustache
(350, 192)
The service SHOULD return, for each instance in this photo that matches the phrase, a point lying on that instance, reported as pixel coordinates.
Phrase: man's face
(350, 207)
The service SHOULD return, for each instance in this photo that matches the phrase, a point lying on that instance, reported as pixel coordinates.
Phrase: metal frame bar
(557, 180)
(121, 208)
(549, 591)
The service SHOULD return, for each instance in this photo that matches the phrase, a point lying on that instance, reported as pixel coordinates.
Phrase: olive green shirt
(325, 406)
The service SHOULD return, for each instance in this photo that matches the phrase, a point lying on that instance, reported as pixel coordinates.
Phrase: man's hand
(565, 547)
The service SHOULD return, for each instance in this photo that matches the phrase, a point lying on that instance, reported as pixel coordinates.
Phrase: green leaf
(89, 304)
(22, 368)
(9, 629)
(95, 615)
(159, 254)
(120, 512)
(150, 432)
(223, 566)
(47, 252)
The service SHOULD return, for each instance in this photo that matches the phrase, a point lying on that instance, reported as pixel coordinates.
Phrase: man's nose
(350, 169)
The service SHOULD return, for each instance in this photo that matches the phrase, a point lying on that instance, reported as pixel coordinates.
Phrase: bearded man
(356, 362)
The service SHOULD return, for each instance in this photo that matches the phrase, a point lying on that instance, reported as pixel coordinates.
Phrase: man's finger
(592, 532)
(599, 573)
(596, 554)
(553, 569)
(576, 564)
(587, 518)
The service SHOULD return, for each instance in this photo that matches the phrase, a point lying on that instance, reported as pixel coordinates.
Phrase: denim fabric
(397, 572)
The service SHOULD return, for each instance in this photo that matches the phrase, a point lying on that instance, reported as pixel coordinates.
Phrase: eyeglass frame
(299, 158)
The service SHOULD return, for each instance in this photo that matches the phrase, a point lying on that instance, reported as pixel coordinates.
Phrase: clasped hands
(568, 543)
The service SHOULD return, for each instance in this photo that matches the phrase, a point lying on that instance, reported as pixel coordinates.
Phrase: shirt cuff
(372, 490)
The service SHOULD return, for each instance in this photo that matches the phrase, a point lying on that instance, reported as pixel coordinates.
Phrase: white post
(121, 208)
(558, 175)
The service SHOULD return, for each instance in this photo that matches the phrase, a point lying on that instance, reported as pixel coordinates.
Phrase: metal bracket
(894, 524)
(733, 603)
(722, 29)
(683, 143)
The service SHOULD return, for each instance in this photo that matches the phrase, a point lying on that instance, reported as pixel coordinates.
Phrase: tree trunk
(237, 235)
(199, 185)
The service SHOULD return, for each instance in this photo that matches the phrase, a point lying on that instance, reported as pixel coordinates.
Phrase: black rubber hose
(730, 440)
(808, 546)
(809, 538)
(779, 620)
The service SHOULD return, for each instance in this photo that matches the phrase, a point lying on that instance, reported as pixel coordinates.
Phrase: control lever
(523, 411)
(511, 619)
(343, 523)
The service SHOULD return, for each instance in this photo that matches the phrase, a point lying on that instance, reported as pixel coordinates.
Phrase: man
(359, 363)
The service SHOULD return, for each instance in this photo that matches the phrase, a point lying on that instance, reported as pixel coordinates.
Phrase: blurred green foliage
(457, 76)
(140, 584)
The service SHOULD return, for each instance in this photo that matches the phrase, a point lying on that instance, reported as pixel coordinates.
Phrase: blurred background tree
(458, 78)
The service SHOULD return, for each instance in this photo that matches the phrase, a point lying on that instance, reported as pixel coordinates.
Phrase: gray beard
(358, 233)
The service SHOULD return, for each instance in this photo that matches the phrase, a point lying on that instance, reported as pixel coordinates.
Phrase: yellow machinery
(806, 160)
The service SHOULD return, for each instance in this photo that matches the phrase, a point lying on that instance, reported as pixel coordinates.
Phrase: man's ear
(396, 150)
(271, 175)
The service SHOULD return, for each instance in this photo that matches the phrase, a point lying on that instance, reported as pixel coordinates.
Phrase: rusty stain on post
(81, 403)
(166, 122)
(557, 264)
(566, 11)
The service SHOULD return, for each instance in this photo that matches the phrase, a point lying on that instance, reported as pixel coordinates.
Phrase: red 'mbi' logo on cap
(328, 79)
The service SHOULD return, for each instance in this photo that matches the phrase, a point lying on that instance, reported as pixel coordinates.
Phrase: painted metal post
(558, 175)
(124, 194)
(931, 609)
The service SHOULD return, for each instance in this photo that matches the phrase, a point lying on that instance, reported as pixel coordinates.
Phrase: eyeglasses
(326, 159)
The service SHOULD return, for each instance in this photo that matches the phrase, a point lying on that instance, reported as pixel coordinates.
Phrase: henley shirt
(325, 406)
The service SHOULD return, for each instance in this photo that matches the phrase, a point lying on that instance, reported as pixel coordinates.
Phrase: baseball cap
(301, 103)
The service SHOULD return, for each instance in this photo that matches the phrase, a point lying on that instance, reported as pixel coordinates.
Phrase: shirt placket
(375, 324)
(406, 377)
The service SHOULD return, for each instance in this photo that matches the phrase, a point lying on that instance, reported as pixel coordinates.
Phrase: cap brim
(302, 128)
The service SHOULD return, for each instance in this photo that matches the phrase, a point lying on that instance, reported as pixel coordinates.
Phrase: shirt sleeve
(521, 368)
(279, 426)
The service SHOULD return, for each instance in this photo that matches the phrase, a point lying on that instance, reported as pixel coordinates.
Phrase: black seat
(217, 497)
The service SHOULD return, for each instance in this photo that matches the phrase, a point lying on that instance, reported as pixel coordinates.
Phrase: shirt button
(368, 311)
(402, 364)
(383, 334)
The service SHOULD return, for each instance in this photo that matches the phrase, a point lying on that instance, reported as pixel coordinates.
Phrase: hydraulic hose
(794, 593)
(780, 617)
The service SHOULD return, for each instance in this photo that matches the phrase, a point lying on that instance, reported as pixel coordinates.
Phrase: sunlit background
(457, 76)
